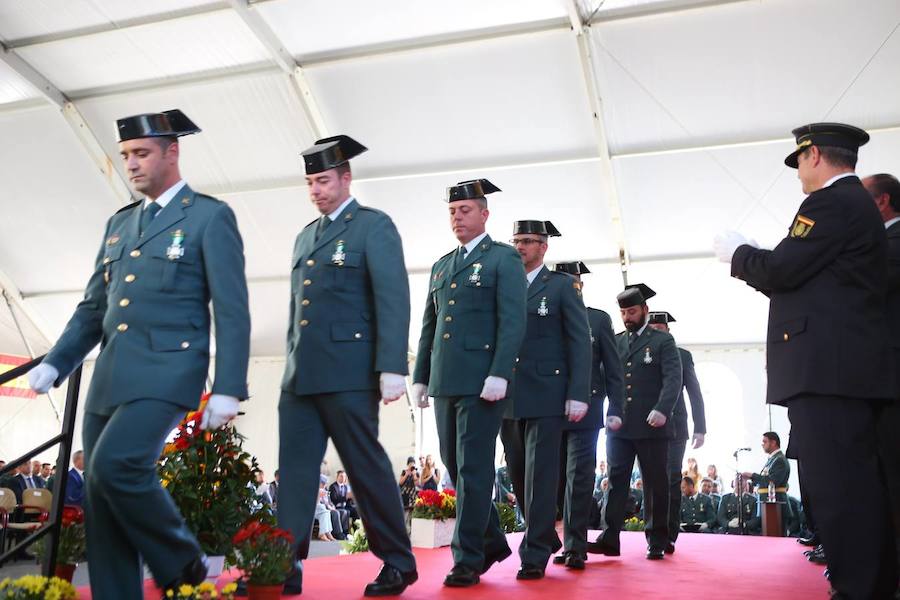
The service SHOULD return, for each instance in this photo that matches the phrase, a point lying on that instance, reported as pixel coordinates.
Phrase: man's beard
(633, 327)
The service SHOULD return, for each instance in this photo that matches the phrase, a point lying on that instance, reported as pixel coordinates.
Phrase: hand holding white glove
(392, 386)
(494, 388)
(734, 522)
(656, 419)
(698, 440)
(420, 395)
(219, 410)
(726, 243)
(41, 377)
(704, 526)
(613, 423)
(576, 410)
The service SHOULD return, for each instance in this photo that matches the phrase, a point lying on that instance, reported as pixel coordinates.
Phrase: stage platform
(704, 566)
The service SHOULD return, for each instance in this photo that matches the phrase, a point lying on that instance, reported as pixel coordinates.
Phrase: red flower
(430, 497)
(72, 515)
(450, 493)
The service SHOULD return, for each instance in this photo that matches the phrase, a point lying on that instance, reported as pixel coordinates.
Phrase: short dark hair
(839, 157)
(338, 473)
(344, 168)
(165, 142)
(45, 464)
(689, 481)
(883, 183)
(771, 435)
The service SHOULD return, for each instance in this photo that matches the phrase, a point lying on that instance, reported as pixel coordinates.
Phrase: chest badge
(543, 311)
(339, 255)
(113, 239)
(176, 249)
(647, 357)
(475, 277)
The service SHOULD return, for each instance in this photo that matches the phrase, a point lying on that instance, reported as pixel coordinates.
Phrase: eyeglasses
(525, 241)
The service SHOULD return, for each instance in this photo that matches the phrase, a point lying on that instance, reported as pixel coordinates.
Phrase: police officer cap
(661, 317)
(170, 123)
(331, 152)
(826, 134)
(572, 268)
(470, 190)
(634, 295)
(536, 227)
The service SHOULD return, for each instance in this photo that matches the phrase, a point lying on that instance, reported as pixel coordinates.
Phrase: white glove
(656, 419)
(704, 526)
(41, 377)
(726, 243)
(392, 386)
(219, 410)
(613, 423)
(699, 438)
(734, 522)
(420, 395)
(494, 388)
(576, 410)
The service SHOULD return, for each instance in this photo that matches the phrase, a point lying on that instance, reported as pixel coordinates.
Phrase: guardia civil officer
(147, 303)
(472, 330)
(579, 444)
(346, 349)
(677, 445)
(652, 383)
(827, 351)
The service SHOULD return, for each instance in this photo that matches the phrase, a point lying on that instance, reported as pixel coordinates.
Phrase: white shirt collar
(167, 195)
(774, 452)
(334, 215)
(532, 275)
(474, 242)
(640, 331)
(887, 224)
(836, 177)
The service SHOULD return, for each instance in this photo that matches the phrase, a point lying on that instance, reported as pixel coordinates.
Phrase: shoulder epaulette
(128, 206)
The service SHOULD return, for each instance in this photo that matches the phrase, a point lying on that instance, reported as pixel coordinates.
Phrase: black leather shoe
(461, 576)
(193, 573)
(293, 585)
(670, 548)
(817, 556)
(561, 559)
(490, 559)
(811, 541)
(527, 571)
(827, 574)
(575, 561)
(655, 554)
(600, 546)
(390, 582)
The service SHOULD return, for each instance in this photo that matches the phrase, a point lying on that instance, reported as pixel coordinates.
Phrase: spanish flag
(18, 386)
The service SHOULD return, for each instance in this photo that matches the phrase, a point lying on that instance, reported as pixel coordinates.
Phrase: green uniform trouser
(351, 420)
(579, 454)
(467, 428)
(128, 514)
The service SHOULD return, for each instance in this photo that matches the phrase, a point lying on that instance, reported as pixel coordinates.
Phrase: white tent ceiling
(697, 101)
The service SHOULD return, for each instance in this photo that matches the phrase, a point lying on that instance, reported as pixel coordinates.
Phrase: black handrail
(64, 439)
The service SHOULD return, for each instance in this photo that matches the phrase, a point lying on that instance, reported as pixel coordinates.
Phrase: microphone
(745, 449)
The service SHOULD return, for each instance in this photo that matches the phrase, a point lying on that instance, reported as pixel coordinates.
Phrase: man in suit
(147, 303)
(652, 383)
(885, 190)
(347, 344)
(578, 454)
(75, 480)
(472, 330)
(21, 481)
(828, 356)
(552, 386)
(342, 499)
(677, 445)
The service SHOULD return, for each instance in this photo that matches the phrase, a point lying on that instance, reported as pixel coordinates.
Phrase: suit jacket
(692, 385)
(893, 296)
(337, 498)
(607, 378)
(474, 320)
(652, 369)
(828, 333)
(147, 305)
(554, 363)
(74, 487)
(17, 485)
(349, 305)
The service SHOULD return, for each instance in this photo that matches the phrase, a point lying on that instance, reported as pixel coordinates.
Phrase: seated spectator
(273, 490)
(697, 513)
(713, 474)
(706, 487)
(727, 517)
(75, 480)
(504, 489)
(262, 488)
(601, 498)
(341, 497)
(409, 484)
(637, 490)
(39, 482)
(22, 480)
(430, 475)
(337, 531)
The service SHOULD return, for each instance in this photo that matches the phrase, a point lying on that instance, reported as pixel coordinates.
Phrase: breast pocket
(347, 271)
(166, 270)
(112, 267)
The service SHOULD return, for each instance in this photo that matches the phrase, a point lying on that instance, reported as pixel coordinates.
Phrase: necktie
(631, 337)
(322, 226)
(29, 482)
(459, 258)
(148, 215)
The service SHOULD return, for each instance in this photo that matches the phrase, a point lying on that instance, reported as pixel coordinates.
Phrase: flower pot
(428, 533)
(264, 592)
(65, 572)
(215, 565)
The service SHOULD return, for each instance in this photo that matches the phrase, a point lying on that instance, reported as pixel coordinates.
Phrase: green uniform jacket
(698, 509)
(148, 307)
(728, 509)
(474, 320)
(554, 363)
(349, 305)
(776, 472)
(652, 382)
(607, 379)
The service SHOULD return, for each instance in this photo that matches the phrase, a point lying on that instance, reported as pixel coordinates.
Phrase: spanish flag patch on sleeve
(801, 227)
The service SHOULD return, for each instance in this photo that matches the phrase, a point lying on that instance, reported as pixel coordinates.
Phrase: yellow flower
(186, 589)
(230, 588)
(170, 594)
(206, 586)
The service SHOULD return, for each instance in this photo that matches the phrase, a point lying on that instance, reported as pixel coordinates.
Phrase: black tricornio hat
(826, 134)
(331, 152)
(572, 268)
(634, 295)
(170, 123)
(536, 227)
(470, 190)
(661, 317)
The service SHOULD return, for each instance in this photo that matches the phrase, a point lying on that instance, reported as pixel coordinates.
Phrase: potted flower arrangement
(634, 524)
(72, 546)
(265, 557)
(209, 476)
(433, 519)
(35, 587)
(204, 591)
(356, 541)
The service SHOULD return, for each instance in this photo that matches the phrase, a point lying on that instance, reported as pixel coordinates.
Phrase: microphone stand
(740, 492)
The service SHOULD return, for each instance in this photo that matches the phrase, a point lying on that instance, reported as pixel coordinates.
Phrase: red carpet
(704, 566)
